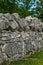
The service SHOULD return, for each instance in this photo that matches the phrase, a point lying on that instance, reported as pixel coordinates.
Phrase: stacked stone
(18, 44)
(19, 37)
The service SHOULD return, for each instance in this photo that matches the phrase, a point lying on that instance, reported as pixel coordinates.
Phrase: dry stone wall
(19, 37)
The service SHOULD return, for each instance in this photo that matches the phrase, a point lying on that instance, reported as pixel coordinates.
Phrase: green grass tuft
(35, 59)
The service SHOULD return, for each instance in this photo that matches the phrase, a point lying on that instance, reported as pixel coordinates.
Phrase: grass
(37, 55)
(35, 59)
(25, 62)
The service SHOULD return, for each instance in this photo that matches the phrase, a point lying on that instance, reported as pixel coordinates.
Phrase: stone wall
(19, 37)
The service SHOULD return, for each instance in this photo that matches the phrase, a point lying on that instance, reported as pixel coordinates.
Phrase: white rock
(28, 18)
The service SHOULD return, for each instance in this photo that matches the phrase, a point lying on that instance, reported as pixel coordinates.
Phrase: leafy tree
(38, 10)
(24, 8)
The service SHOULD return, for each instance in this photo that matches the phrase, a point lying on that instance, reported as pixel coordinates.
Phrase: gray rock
(1, 57)
(3, 23)
(8, 16)
(13, 24)
(10, 50)
(28, 19)
(15, 15)
(18, 43)
(1, 15)
(23, 24)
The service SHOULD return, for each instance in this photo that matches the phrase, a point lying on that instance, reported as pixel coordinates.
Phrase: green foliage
(24, 62)
(35, 59)
(7, 6)
(5, 62)
(37, 55)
